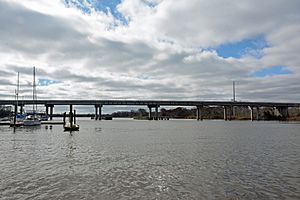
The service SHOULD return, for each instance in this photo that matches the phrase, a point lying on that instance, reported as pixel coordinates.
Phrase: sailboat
(33, 118)
(18, 119)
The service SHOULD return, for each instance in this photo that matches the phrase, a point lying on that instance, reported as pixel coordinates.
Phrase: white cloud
(160, 54)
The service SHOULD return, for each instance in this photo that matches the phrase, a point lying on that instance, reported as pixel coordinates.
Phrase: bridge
(98, 104)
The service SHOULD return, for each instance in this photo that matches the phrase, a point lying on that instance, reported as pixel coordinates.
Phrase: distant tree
(142, 112)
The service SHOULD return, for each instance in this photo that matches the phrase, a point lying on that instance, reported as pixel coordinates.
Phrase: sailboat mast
(34, 106)
(233, 90)
(17, 91)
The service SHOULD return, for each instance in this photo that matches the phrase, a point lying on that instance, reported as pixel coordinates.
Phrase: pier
(228, 106)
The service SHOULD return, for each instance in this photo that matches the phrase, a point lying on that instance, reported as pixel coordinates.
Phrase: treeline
(239, 113)
(179, 112)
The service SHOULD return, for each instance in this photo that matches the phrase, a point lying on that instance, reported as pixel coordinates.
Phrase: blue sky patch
(46, 82)
(250, 46)
(271, 71)
(106, 6)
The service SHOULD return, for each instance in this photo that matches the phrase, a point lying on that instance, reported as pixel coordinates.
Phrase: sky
(151, 49)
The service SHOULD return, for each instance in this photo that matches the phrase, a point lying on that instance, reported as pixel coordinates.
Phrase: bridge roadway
(228, 105)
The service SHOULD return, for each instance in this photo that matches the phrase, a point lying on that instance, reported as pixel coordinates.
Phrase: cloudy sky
(151, 49)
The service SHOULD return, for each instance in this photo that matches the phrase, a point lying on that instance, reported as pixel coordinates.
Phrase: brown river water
(128, 159)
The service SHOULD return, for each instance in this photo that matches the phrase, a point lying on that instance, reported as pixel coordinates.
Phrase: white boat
(33, 119)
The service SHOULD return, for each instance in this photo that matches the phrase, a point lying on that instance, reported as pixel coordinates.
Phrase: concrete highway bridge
(98, 104)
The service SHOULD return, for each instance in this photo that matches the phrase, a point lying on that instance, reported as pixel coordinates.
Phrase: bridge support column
(199, 115)
(150, 112)
(251, 113)
(51, 111)
(21, 109)
(100, 112)
(96, 112)
(257, 113)
(225, 113)
(284, 112)
(47, 109)
(156, 112)
(155, 117)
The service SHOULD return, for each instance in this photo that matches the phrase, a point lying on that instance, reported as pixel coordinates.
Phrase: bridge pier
(98, 116)
(156, 112)
(225, 113)
(257, 113)
(150, 112)
(199, 115)
(21, 109)
(100, 112)
(96, 112)
(51, 111)
(47, 109)
(251, 113)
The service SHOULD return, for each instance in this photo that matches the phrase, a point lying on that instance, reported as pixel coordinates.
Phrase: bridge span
(98, 104)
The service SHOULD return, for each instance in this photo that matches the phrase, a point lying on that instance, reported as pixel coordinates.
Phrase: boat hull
(32, 123)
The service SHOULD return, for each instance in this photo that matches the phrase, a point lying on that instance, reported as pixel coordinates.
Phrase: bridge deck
(150, 102)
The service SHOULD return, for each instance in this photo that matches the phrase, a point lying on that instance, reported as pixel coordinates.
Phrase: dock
(7, 123)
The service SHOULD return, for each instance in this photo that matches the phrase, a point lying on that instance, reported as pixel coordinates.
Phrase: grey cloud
(118, 69)
(32, 32)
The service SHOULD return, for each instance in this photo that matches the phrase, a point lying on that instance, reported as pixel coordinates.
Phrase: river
(129, 159)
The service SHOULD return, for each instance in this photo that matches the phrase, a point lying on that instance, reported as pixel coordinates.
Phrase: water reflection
(142, 160)
(98, 129)
(48, 127)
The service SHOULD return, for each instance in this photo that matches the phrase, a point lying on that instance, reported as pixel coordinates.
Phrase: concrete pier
(51, 111)
(47, 109)
(199, 114)
(98, 112)
(156, 112)
(150, 113)
(150, 116)
(225, 113)
(251, 113)
(21, 109)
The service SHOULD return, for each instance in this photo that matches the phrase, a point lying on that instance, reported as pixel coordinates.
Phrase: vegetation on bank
(238, 113)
